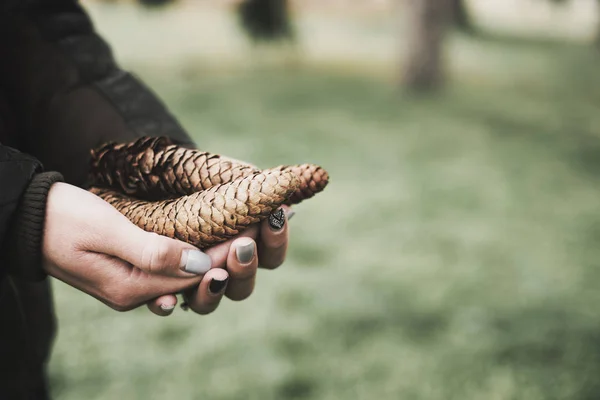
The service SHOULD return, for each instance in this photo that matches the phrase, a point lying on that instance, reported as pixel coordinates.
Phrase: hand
(91, 246)
(239, 258)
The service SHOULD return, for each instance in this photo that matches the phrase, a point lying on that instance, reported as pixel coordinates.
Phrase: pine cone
(213, 215)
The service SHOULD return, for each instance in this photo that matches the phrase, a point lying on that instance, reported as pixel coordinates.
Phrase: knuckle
(161, 255)
(242, 274)
(275, 242)
(271, 258)
(119, 298)
(155, 255)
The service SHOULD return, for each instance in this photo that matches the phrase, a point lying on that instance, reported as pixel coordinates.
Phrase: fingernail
(245, 252)
(290, 214)
(167, 307)
(195, 262)
(185, 306)
(277, 220)
(216, 286)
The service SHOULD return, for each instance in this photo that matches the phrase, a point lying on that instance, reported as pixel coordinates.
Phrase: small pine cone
(211, 216)
(155, 169)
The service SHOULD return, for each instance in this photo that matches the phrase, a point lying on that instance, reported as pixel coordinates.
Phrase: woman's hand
(91, 246)
(239, 257)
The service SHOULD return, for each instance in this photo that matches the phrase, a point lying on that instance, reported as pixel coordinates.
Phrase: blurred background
(455, 253)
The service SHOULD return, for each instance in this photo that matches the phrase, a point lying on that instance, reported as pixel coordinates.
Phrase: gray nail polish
(195, 262)
(290, 214)
(245, 253)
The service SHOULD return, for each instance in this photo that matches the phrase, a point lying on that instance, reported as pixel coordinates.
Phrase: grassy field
(454, 255)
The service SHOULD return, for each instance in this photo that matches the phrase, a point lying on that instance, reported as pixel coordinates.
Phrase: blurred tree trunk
(265, 19)
(460, 16)
(427, 22)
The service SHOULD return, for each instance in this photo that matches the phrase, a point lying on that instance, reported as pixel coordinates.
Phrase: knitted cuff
(28, 228)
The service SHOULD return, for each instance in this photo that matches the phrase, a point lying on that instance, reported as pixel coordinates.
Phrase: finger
(219, 254)
(272, 246)
(206, 297)
(242, 264)
(152, 253)
(118, 284)
(163, 306)
(165, 256)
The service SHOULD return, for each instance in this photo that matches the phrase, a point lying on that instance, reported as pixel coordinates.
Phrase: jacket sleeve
(68, 91)
(23, 192)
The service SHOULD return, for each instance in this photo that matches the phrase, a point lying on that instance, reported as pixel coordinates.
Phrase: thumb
(156, 254)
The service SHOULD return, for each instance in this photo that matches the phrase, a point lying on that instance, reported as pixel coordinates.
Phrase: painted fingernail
(245, 252)
(195, 262)
(185, 306)
(289, 214)
(216, 286)
(277, 220)
(167, 307)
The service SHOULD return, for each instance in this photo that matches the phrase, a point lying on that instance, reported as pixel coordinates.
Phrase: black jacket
(65, 94)
(61, 94)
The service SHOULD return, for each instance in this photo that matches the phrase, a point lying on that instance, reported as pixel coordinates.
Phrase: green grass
(453, 256)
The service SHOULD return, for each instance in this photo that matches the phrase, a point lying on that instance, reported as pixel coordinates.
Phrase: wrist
(27, 228)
